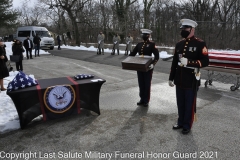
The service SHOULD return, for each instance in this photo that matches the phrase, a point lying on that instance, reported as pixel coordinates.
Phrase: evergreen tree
(8, 16)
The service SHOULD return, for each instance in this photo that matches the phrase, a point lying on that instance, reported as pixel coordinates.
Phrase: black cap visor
(145, 33)
(185, 26)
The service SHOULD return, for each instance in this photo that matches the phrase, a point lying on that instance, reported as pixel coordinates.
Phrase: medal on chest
(192, 49)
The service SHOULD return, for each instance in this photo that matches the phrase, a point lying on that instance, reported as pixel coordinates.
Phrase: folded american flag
(20, 81)
(83, 76)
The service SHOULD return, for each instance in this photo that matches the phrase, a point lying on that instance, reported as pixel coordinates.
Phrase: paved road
(124, 130)
(114, 60)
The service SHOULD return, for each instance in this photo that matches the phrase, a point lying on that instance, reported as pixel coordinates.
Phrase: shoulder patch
(204, 51)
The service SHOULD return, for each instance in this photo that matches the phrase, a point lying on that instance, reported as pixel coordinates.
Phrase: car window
(43, 33)
(23, 33)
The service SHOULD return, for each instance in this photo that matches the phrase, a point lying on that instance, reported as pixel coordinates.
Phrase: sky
(18, 3)
(9, 119)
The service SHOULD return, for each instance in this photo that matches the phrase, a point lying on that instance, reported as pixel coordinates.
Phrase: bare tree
(122, 7)
(30, 16)
(217, 19)
(73, 9)
(225, 15)
(147, 6)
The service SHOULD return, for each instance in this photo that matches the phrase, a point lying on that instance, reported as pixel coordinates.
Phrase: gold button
(186, 42)
(183, 53)
(185, 46)
(184, 49)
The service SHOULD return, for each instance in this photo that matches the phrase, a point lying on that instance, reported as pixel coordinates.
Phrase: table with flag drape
(29, 102)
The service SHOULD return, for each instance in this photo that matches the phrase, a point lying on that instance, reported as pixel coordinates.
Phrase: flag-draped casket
(224, 60)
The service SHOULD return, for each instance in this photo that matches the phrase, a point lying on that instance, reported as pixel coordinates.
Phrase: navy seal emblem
(60, 98)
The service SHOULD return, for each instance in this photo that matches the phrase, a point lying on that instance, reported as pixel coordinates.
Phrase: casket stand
(224, 64)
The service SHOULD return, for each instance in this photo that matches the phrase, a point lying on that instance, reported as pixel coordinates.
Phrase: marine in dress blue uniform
(190, 54)
(145, 48)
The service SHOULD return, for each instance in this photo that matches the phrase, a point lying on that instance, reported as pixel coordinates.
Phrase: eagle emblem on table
(59, 99)
(59, 96)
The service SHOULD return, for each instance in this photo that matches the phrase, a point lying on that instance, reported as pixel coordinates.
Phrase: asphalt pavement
(125, 130)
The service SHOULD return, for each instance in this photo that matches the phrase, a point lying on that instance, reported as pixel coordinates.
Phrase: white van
(47, 41)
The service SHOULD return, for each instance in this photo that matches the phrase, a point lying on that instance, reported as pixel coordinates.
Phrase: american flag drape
(21, 81)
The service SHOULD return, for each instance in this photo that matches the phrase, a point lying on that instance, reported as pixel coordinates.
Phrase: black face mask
(145, 37)
(185, 33)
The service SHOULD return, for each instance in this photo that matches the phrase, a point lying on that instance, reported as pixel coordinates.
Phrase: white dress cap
(188, 23)
(146, 31)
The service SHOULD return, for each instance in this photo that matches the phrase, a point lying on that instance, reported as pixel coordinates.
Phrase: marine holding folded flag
(129, 41)
(190, 54)
(100, 40)
(116, 41)
(145, 48)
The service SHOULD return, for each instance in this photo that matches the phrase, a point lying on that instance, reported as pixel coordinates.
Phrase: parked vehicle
(47, 41)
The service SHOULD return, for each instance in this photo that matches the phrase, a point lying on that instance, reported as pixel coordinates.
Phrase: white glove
(151, 66)
(170, 83)
(128, 42)
(115, 42)
(99, 42)
(184, 61)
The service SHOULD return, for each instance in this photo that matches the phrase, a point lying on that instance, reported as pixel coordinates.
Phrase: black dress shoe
(140, 103)
(145, 104)
(176, 126)
(185, 131)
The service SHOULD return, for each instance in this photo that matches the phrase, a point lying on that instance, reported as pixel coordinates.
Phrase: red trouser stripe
(150, 87)
(77, 93)
(193, 108)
